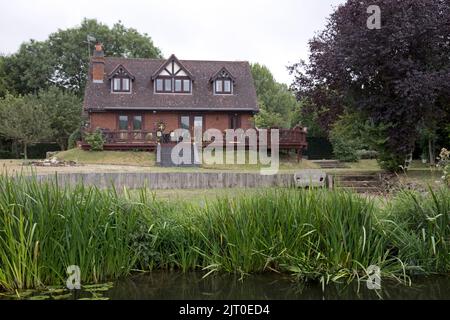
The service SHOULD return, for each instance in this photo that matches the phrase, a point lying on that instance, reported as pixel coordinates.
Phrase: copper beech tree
(397, 76)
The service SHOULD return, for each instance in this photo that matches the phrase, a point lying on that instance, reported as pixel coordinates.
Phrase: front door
(197, 133)
(193, 123)
(130, 127)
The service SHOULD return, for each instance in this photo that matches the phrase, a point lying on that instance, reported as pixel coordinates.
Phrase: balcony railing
(287, 137)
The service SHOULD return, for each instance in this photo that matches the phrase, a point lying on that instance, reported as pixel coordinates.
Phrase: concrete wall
(178, 180)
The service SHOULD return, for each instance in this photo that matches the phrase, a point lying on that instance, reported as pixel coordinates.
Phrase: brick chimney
(98, 64)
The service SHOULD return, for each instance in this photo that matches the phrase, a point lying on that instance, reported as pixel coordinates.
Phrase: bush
(344, 150)
(95, 140)
(73, 138)
(5, 154)
(346, 138)
(367, 154)
(390, 162)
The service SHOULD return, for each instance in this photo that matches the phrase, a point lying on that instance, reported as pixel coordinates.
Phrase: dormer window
(121, 80)
(223, 86)
(223, 82)
(121, 85)
(172, 77)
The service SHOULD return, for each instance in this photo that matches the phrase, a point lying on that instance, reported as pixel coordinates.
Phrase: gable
(172, 67)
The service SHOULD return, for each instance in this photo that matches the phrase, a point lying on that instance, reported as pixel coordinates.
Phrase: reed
(314, 234)
(419, 229)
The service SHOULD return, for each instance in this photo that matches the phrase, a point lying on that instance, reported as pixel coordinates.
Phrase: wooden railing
(128, 136)
(287, 137)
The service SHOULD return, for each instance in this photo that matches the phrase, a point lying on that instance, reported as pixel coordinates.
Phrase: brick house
(130, 100)
(137, 103)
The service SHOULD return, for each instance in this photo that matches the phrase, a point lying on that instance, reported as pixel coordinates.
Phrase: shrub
(390, 162)
(73, 138)
(344, 150)
(5, 154)
(367, 154)
(95, 140)
(346, 138)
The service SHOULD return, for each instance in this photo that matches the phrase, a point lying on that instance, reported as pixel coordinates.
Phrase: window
(159, 85)
(126, 84)
(116, 84)
(123, 122)
(223, 86)
(167, 85)
(173, 84)
(186, 85)
(184, 122)
(234, 121)
(121, 84)
(163, 84)
(219, 86)
(137, 123)
(226, 86)
(178, 85)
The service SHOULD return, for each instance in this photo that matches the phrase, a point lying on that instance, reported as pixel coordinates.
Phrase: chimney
(98, 64)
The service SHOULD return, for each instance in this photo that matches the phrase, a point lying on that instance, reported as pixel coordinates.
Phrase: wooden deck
(289, 139)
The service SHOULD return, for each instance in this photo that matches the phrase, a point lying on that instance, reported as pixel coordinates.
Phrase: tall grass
(44, 229)
(314, 234)
(420, 229)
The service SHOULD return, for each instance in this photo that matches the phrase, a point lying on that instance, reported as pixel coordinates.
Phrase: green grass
(148, 159)
(131, 158)
(320, 235)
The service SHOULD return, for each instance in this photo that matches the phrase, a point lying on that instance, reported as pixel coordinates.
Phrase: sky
(271, 32)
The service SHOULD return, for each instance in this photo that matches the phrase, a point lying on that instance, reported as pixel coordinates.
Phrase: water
(268, 286)
(170, 286)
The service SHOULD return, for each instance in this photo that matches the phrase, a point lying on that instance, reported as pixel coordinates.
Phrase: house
(139, 102)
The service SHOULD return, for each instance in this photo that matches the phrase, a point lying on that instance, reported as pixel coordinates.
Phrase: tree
(397, 76)
(3, 77)
(23, 120)
(314, 119)
(63, 110)
(30, 69)
(63, 59)
(276, 102)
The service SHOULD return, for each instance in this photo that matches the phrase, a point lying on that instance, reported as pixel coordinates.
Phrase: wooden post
(330, 181)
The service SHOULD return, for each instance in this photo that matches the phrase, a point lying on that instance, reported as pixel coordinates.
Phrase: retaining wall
(173, 180)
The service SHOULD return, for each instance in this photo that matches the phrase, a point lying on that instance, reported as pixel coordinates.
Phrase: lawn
(133, 158)
(133, 161)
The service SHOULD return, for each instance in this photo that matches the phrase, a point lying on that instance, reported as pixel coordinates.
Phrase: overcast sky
(271, 32)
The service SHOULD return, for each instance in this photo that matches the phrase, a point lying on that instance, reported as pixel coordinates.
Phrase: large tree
(63, 58)
(63, 111)
(23, 120)
(397, 76)
(3, 77)
(276, 102)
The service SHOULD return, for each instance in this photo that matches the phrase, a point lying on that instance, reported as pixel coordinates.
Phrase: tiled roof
(98, 96)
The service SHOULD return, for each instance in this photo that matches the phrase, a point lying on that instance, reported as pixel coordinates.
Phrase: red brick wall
(247, 121)
(107, 120)
(219, 121)
(171, 119)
